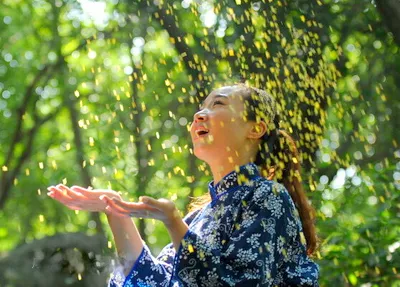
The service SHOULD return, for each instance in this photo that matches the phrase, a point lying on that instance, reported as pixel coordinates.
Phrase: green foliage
(108, 89)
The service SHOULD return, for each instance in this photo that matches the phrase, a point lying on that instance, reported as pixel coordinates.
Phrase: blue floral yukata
(250, 234)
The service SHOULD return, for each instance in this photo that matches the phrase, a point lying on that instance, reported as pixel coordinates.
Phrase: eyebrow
(216, 96)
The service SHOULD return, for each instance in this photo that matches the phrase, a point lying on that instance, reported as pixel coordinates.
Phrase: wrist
(177, 229)
(111, 196)
(111, 218)
(174, 221)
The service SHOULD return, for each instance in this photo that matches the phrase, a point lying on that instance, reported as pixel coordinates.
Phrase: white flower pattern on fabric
(248, 234)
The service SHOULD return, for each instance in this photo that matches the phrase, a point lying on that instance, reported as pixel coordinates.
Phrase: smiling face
(219, 130)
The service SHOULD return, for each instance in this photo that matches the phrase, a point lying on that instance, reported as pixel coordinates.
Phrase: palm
(161, 209)
(79, 198)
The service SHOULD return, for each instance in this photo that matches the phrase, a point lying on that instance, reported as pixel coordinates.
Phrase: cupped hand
(147, 207)
(79, 198)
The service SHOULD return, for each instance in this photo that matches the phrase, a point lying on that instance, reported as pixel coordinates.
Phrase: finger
(64, 199)
(76, 195)
(133, 209)
(81, 189)
(62, 189)
(85, 191)
(114, 206)
(61, 198)
(138, 207)
(115, 211)
(127, 205)
(57, 193)
(72, 194)
(136, 214)
(160, 204)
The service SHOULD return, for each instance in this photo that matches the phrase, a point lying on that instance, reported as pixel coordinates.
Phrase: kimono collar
(233, 180)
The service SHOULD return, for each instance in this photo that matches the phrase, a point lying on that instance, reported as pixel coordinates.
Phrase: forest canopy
(102, 93)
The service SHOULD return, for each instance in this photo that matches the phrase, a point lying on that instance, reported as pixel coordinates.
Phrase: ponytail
(283, 165)
(279, 158)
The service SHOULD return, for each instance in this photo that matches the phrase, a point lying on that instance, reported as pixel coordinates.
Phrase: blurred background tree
(101, 93)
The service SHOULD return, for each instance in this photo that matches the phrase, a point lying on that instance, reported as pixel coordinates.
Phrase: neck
(223, 167)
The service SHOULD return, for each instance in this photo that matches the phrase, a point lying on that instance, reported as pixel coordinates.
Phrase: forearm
(177, 231)
(127, 240)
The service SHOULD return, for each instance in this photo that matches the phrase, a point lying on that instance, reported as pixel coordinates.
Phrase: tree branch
(192, 66)
(48, 70)
(7, 179)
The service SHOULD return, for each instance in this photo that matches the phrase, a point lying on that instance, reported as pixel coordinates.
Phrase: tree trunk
(390, 13)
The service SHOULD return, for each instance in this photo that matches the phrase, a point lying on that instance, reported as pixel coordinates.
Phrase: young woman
(255, 226)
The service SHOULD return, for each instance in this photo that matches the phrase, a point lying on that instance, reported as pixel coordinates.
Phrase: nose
(200, 116)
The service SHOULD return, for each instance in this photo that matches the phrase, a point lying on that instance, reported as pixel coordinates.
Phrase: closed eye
(218, 103)
(215, 103)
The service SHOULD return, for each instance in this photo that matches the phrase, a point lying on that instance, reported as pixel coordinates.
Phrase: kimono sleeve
(250, 256)
(148, 270)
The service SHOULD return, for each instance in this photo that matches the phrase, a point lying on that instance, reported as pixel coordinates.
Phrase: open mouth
(201, 133)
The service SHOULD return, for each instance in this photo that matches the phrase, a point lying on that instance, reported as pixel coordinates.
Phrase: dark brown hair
(277, 157)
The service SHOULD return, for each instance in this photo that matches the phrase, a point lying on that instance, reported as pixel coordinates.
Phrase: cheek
(225, 124)
(191, 131)
(229, 129)
(218, 125)
(222, 121)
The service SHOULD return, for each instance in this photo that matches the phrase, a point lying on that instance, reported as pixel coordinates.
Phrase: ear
(257, 130)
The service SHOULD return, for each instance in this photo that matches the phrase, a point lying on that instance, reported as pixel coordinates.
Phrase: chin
(200, 153)
(206, 154)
